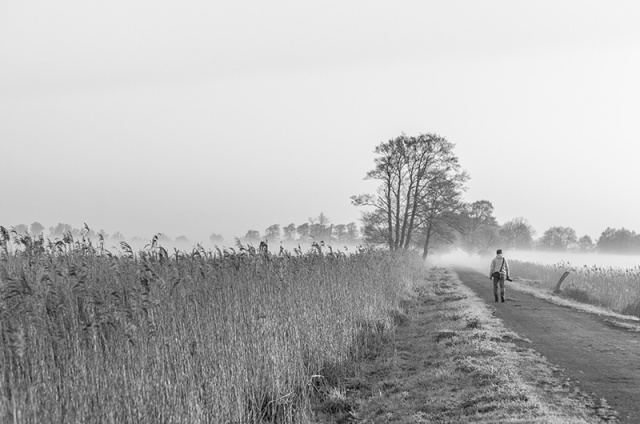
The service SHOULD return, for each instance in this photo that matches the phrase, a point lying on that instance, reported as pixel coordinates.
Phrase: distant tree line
(518, 234)
(61, 229)
(318, 229)
(418, 204)
(472, 227)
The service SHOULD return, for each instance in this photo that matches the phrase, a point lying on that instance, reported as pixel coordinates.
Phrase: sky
(191, 118)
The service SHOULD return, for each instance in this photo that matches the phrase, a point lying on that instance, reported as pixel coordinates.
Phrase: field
(247, 336)
(240, 335)
(609, 287)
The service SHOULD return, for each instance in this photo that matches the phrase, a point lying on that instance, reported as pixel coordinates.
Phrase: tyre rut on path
(600, 358)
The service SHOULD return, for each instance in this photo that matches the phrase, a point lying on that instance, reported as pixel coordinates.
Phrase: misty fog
(460, 258)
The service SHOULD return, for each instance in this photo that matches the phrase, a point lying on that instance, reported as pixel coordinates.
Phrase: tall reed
(239, 335)
(617, 289)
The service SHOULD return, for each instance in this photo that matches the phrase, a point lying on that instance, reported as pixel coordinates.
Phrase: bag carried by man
(497, 273)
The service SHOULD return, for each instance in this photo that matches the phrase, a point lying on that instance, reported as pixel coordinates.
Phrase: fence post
(565, 275)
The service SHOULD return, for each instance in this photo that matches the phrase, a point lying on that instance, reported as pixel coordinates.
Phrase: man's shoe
(501, 298)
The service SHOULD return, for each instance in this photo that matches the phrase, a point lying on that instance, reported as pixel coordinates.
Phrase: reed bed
(617, 289)
(233, 336)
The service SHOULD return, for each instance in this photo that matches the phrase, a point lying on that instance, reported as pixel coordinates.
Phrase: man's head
(499, 252)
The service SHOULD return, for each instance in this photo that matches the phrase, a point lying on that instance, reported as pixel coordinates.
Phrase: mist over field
(463, 259)
(578, 259)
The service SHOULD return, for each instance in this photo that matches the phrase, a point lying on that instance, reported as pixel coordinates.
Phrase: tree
(340, 232)
(319, 228)
(37, 228)
(618, 241)
(375, 227)
(585, 244)
(272, 233)
(352, 233)
(182, 239)
(409, 170)
(517, 234)
(252, 236)
(438, 218)
(478, 227)
(216, 238)
(322, 219)
(303, 232)
(60, 230)
(289, 232)
(118, 236)
(558, 238)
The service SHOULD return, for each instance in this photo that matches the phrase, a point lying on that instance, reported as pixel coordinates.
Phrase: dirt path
(602, 358)
(450, 360)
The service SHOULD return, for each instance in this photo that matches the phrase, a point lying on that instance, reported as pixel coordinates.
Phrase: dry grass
(235, 336)
(613, 288)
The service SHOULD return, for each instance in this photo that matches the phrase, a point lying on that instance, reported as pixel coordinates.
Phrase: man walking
(498, 272)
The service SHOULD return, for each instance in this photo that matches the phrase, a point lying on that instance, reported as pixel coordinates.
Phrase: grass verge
(452, 361)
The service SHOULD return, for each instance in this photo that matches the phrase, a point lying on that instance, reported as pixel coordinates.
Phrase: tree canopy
(619, 241)
(558, 238)
(517, 233)
(420, 183)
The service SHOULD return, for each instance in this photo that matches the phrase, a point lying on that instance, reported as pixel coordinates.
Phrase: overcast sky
(196, 117)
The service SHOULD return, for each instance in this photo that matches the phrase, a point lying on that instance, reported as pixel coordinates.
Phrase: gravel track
(601, 358)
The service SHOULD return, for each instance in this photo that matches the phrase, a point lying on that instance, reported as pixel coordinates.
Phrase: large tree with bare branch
(420, 180)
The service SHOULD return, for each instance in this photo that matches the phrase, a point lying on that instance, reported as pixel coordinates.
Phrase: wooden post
(565, 275)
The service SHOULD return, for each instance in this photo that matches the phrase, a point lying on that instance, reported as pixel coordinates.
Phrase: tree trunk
(414, 212)
(397, 212)
(425, 250)
(405, 218)
(389, 217)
